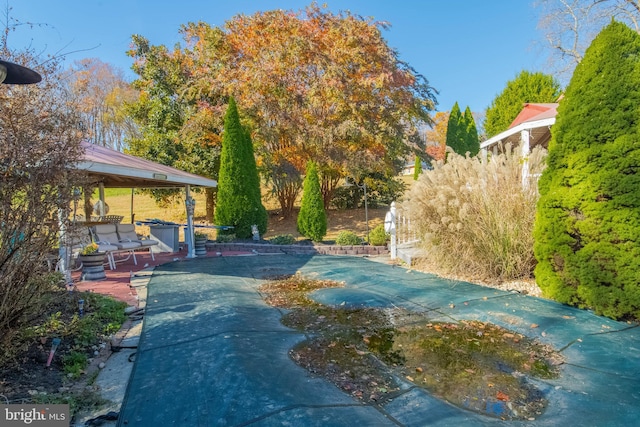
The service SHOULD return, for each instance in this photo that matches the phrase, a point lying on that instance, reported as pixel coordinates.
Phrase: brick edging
(298, 249)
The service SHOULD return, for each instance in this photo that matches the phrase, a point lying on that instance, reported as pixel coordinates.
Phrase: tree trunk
(210, 202)
(287, 194)
(88, 207)
(328, 186)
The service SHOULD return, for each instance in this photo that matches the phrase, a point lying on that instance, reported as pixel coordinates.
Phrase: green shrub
(103, 316)
(74, 363)
(312, 219)
(225, 238)
(381, 191)
(346, 197)
(378, 237)
(586, 236)
(86, 330)
(475, 217)
(283, 239)
(348, 238)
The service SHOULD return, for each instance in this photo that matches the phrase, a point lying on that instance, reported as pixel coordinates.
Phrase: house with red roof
(531, 128)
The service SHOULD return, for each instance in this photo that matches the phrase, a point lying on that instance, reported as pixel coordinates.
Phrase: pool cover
(212, 353)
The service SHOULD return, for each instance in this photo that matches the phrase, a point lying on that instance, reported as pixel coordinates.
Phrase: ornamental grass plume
(475, 218)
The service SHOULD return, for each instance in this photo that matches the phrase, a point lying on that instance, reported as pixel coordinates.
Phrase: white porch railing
(398, 223)
(406, 233)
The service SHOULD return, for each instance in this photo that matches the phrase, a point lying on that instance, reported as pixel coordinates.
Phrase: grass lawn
(120, 203)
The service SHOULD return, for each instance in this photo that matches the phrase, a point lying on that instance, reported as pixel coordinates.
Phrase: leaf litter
(369, 353)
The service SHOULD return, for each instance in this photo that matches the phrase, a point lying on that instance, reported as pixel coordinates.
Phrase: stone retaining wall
(298, 249)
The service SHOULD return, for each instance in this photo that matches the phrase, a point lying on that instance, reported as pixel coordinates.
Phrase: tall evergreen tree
(312, 219)
(587, 241)
(526, 87)
(472, 142)
(239, 199)
(462, 134)
(456, 130)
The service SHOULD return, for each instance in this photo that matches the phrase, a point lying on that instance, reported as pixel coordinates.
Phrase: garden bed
(25, 376)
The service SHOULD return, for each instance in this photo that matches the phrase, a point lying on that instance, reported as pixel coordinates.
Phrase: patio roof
(118, 170)
(536, 118)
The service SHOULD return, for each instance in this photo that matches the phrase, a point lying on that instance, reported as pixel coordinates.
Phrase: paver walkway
(213, 353)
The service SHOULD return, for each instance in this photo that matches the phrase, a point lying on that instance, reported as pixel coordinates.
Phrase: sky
(467, 49)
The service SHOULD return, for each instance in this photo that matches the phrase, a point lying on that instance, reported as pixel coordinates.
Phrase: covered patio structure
(531, 128)
(108, 168)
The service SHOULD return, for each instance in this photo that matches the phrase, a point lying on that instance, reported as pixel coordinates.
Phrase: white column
(190, 204)
(101, 197)
(524, 136)
(64, 257)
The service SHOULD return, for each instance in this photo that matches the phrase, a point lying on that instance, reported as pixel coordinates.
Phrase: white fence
(404, 235)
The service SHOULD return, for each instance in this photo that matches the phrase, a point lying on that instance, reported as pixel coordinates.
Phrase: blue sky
(467, 49)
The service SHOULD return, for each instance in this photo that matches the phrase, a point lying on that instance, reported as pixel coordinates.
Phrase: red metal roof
(116, 169)
(532, 112)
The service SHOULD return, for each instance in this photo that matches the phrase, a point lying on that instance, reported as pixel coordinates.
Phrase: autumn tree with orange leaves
(100, 90)
(437, 136)
(312, 85)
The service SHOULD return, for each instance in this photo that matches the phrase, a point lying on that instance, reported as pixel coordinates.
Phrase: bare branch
(571, 25)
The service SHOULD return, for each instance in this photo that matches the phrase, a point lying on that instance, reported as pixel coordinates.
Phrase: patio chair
(107, 237)
(112, 219)
(127, 233)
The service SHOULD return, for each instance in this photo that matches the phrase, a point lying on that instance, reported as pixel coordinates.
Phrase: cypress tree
(455, 130)
(587, 240)
(472, 142)
(239, 199)
(312, 219)
(417, 168)
(462, 134)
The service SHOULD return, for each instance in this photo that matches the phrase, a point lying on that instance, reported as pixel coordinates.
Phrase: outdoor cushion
(107, 238)
(106, 234)
(106, 247)
(127, 233)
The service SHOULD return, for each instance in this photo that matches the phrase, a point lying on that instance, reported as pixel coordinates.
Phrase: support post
(484, 155)
(366, 212)
(133, 216)
(64, 257)
(189, 238)
(101, 197)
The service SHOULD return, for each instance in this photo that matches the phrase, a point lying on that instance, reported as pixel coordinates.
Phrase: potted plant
(200, 241)
(92, 262)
